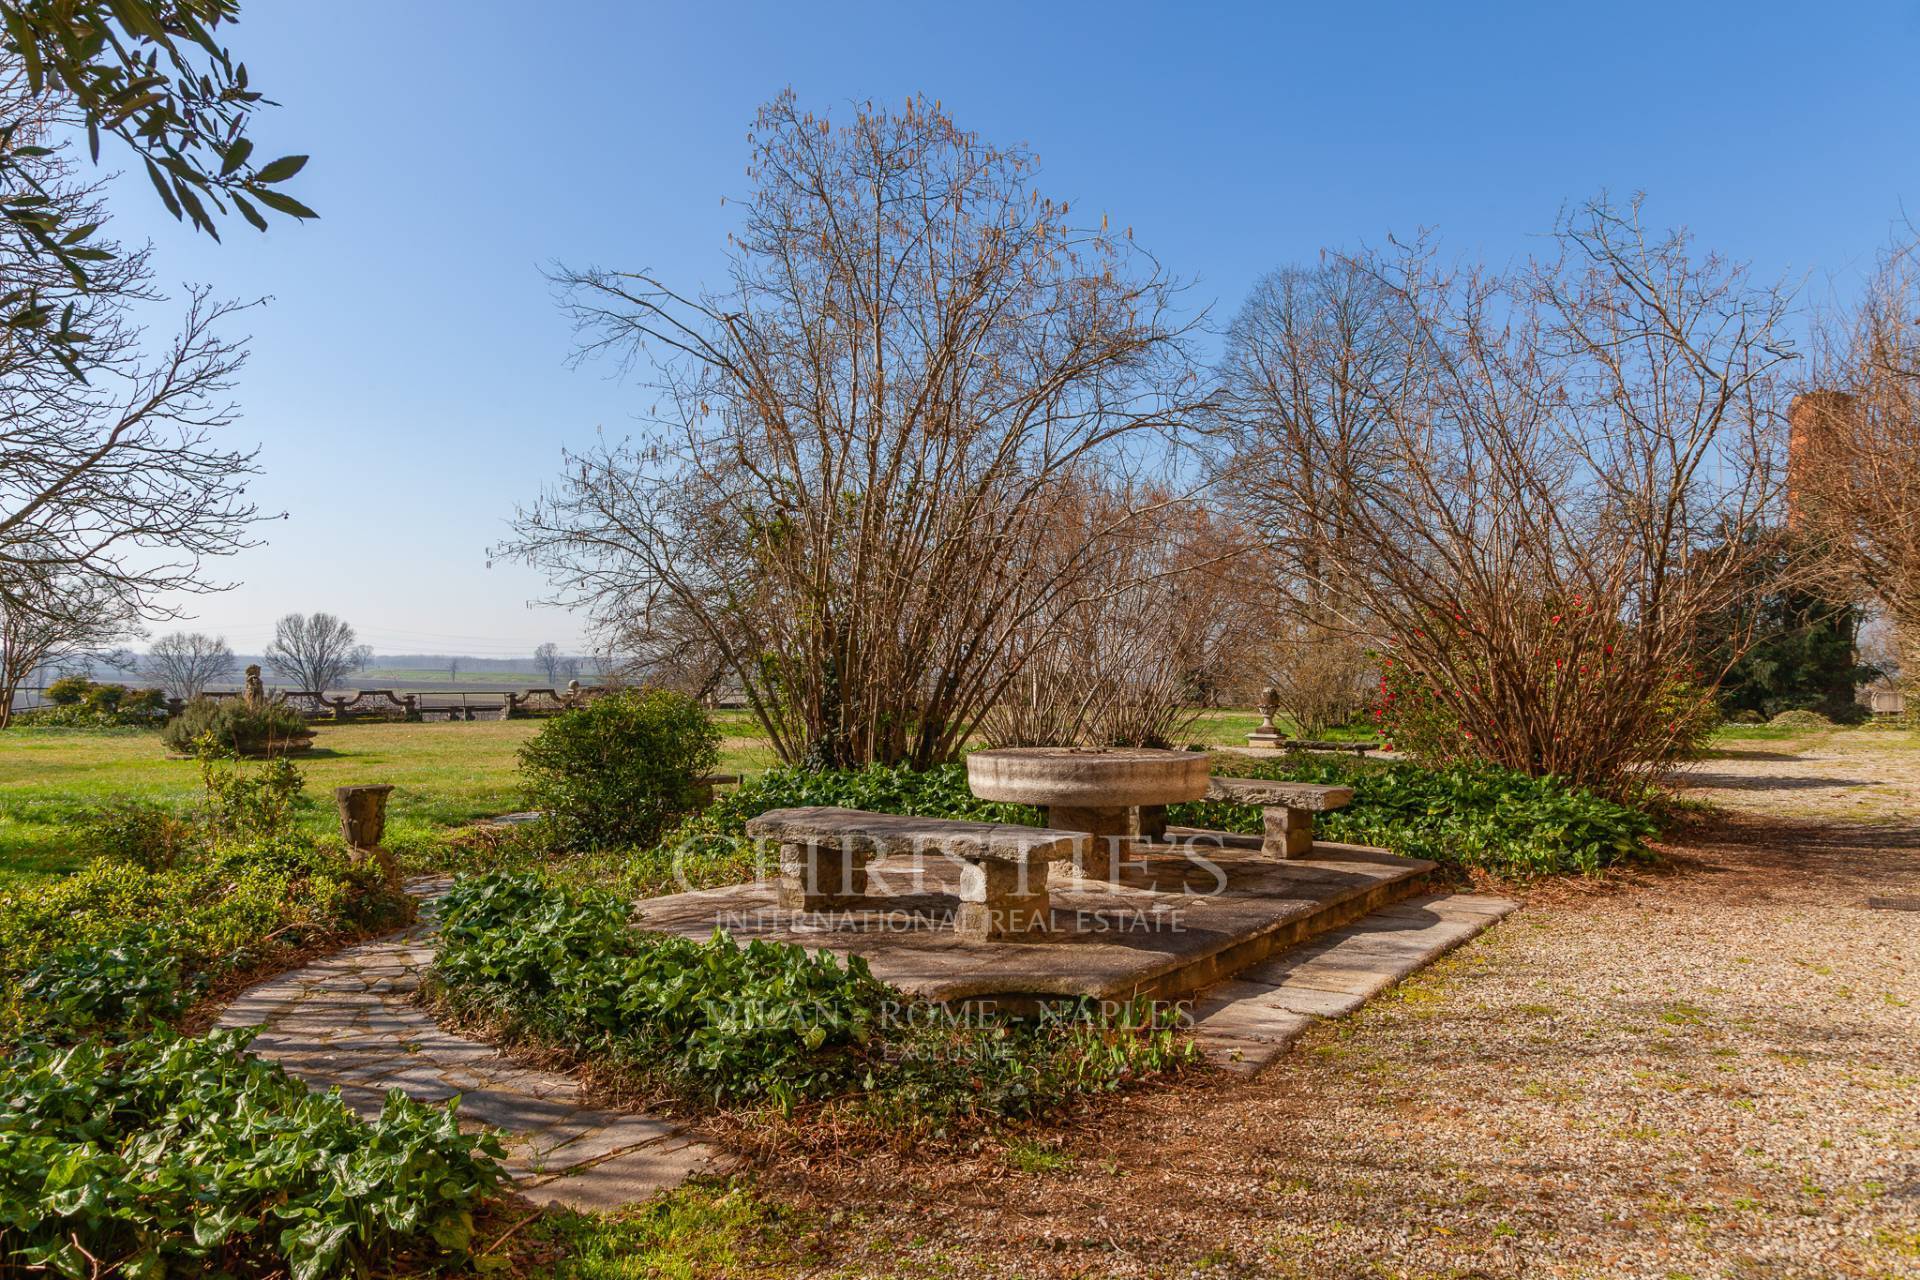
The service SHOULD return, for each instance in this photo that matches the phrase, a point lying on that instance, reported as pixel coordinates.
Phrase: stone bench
(1315, 744)
(1003, 880)
(1287, 807)
(703, 786)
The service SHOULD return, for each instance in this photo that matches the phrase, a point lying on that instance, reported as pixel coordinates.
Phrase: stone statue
(256, 695)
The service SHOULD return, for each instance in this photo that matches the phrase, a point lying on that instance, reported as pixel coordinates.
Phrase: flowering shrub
(1565, 688)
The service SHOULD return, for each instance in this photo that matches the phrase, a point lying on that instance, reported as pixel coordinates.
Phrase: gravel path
(349, 1022)
(1711, 1070)
(1863, 776)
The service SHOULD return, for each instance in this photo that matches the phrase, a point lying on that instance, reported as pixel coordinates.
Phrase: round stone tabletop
(1122, 777)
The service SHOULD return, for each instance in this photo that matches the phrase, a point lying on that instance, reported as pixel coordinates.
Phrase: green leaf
(236, 155)
(282, 201)
(159, 181)
(248, 212)
(282, 169)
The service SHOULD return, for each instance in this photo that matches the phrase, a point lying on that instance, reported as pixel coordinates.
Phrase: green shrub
(249, 803)
(726, 1024)
(113, 987)
(144, 702)
(79, 703)
(150, 836)
(104, 699)
(1465, 815)
(234, 726)
(939, 792)
(216, 911)
(176, 1156)
(68, 690)
(1801, 719)
(616, 772)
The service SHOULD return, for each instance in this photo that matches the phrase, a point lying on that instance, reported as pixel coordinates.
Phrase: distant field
(418, 678)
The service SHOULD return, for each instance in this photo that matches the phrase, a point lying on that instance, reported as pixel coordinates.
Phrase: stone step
(1243, 1024)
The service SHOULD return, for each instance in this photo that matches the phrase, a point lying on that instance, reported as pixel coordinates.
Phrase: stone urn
(363, 820)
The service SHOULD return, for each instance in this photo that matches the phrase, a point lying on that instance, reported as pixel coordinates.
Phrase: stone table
(1113, 794)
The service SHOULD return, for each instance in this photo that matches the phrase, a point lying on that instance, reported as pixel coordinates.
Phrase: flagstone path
(349, 1021)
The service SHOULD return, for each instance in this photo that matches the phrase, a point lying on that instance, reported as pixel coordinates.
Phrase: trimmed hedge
(618, 771)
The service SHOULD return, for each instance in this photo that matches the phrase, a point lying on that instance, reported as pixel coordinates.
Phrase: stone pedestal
(1267, 734)
(822, 877)
(1152, 821)
(1289, 832)
(363, 820)
(1000, 900)
(1112, 832)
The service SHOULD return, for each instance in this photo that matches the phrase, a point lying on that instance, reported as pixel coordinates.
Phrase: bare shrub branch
(847, 480)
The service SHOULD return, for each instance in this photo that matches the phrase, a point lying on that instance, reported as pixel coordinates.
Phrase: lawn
(446, 774)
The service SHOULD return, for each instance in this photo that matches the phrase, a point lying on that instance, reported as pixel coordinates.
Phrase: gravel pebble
(1712, 1069)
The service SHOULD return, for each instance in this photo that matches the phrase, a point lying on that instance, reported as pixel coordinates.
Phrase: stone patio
(1172, 922)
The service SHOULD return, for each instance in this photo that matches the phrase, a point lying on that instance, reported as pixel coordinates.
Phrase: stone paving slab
(1183, 914)
(349, 1022)
(1248, 1022)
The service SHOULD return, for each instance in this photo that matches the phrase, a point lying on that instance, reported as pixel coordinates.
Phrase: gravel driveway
(1708, 1070)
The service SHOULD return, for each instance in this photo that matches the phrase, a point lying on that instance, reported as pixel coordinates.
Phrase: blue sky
(408, 383)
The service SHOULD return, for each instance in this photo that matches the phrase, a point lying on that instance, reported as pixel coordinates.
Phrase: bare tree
(315, 651)
(46, 621)
(1321, 675)
(547, 658)
(1553, 476)
(185, 663)
(1856, 473)
(111, 483)
(673, 649)
(1128, 662)
(847, 478)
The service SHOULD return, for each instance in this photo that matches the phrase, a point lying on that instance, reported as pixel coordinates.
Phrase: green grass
(692, 1232)
(1229, 727)
(447, 774)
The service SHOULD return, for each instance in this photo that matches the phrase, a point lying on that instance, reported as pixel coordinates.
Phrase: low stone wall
(412, 705)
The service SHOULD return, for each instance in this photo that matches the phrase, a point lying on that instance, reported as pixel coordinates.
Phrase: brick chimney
(1816, 420)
